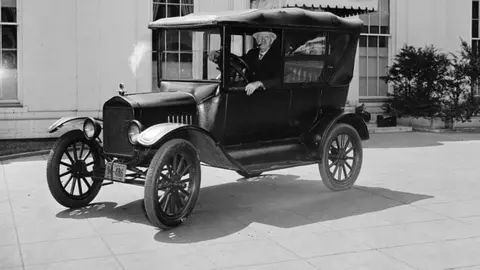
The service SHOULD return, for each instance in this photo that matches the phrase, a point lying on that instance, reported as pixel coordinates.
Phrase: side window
(305, 56)
(337, 45)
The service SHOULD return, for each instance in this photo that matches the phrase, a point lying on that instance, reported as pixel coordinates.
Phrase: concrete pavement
(416, 205)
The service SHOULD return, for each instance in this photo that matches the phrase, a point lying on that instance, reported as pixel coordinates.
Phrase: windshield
(183, 54)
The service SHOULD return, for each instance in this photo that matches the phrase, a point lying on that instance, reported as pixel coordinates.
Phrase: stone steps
(372, 128)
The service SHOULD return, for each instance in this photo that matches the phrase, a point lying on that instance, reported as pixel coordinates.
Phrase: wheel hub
(79, 168)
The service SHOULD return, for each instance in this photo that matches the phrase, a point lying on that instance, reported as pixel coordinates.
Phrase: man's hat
(271, 35)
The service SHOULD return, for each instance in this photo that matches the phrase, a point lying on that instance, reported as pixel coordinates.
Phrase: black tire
(342, 145)
(246, 175)
(78, 169)
(174, 160)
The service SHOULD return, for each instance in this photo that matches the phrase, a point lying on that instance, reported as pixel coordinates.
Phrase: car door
(262, 116)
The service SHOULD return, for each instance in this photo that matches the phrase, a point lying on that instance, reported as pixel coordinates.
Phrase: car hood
(160, 99)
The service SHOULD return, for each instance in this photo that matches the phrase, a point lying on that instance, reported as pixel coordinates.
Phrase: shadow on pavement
(132, 212)
(416, 139)
(281, 201)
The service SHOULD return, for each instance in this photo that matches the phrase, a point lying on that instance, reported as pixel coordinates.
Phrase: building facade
(67, 57)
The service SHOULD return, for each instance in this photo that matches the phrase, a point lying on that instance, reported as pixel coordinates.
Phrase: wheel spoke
(333, 164)
(89, 164)
(65, 164)
(186, 193)
(163, 186)
(72, 189)
(349, 158)
(338, 143)
(185, 180)
(185, 170)
(74, 145)
(166, 199)
(171, 204)
(166, 177)
(177, 201)
(88, 154)
(344, 170)
(339, 174)
(79, 183)
(349, 150)
(348, 165)
(169, 168)
(81, 150)
(180, 165)
(347, 142)
(86, 182)
(68, 182)
(335, 171)
(65, 173)
(69, 156)
(175, 163)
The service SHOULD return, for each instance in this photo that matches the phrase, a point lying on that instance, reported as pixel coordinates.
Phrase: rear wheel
(172, 184)
(342, 156)
(70, 170)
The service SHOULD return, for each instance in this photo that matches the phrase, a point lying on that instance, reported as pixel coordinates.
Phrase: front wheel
(341, 159)
(172, 184)
(70, 169)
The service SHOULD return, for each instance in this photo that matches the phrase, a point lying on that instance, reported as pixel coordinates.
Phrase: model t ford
(250, 91)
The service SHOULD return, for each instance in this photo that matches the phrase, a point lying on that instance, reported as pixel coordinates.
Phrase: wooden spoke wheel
(341, 158)
(172, 184)
(70, 170)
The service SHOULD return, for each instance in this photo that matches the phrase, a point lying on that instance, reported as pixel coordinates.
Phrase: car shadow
(282, 201)
(415, 139)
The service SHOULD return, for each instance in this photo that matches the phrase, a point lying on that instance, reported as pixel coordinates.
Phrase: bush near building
(429, 83)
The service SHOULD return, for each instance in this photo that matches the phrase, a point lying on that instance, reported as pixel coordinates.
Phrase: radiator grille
(115, 121)
(180, 118)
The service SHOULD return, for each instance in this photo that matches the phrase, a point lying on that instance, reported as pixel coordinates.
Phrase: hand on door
(251, 87)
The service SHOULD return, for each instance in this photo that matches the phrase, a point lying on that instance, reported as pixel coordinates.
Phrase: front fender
(76, 121)
(208, 148)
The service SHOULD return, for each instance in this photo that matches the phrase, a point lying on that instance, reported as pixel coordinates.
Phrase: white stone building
(66, 57)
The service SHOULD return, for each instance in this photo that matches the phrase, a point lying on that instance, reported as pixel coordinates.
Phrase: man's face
(264, 42)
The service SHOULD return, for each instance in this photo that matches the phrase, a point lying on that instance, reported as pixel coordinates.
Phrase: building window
(373, 54)
(8, 57)
(166, 9)
(475, 38)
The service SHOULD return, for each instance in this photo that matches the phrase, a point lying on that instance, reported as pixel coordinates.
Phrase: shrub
(418, 78)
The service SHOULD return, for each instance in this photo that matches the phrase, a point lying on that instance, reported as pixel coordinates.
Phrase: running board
(272, 152)
(273, 166)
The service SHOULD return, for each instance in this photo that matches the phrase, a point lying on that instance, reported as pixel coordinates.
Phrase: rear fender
(208, 148)
(326, 124)
(75, 121)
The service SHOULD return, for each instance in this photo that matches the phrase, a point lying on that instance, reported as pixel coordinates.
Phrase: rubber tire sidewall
(338, 129)
(53, 165)
(150, 193)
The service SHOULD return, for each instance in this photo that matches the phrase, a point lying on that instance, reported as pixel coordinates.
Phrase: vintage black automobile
(159, 139)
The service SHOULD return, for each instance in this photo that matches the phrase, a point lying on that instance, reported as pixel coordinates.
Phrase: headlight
(91, 128)
(134, 129)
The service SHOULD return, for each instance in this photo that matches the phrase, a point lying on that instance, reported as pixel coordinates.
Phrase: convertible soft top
(281, 17)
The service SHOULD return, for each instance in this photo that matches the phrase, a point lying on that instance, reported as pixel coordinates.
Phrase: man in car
(263, 62)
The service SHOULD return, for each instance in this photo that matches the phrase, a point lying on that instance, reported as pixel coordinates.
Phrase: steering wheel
(239, 65)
